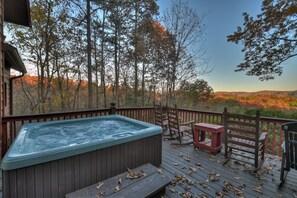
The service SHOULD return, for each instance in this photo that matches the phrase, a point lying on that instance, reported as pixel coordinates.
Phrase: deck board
(233, 173)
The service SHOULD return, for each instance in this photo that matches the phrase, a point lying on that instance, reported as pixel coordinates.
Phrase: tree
(142, 11)
(48, 19)
(186, 57)
(269, 40)
(193, 93)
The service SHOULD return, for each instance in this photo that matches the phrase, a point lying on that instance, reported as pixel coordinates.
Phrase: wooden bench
(151, 183)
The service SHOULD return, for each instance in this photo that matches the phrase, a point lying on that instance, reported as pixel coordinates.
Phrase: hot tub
(51, 159)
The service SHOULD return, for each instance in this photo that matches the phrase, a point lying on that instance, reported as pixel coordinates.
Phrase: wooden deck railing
(12, 124)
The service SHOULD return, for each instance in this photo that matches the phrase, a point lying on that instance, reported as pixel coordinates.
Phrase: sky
(223, 17)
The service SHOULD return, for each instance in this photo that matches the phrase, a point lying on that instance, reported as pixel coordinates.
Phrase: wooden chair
(243, 141)
(289, 147)
(161, 118)
(184, 131)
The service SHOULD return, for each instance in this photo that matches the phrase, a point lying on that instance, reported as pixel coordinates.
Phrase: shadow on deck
(199, 174)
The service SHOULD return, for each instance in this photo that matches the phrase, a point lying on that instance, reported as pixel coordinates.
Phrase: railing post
(112, 108)
(4, 145)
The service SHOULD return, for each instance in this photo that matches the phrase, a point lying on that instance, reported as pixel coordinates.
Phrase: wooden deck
(199, 174)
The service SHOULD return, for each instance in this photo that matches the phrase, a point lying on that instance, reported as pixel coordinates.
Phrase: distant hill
(283, 100)
(258, 93)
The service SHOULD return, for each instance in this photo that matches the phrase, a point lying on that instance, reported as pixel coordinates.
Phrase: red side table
(214, 145)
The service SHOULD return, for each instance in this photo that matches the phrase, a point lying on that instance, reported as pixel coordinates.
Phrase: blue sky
(223, 17)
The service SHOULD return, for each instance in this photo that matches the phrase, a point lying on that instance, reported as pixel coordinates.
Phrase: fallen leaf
(159, 170)
(219, 195)
(212, 179)
(242, 186)
(100, 195)
(188, 159)
(132, 175)
(99, 185)
(198, 164)
(258, 189)
(173, 190)
(227, 186)
(175, 164)
(237, 178)
(143, 173)
(180, 154)
(119, 181)
(193, 170)
(238, 192)
(117, 188)
(204, 185)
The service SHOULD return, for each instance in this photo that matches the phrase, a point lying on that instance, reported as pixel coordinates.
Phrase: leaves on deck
(205, 186)
(219, 195)
(212, 177)
(117, 188)
(133, 175)
(192, 170)
(173, 190)
(100, 194)
(187, 158)
(181, 179)
(143, 173)
(238, 192)
(99, 185)
(159, 170)
(258, 188)
(227, 186)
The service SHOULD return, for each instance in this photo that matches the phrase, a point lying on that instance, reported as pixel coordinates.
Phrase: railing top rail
(199, 111)
(81, 112)
(49, 115)
(134, 108)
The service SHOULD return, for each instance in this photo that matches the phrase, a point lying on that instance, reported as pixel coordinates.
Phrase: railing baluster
(4, 138)
(273, 138)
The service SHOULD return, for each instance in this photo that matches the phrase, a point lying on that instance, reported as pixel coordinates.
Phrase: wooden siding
(57, 178)
(1, 62)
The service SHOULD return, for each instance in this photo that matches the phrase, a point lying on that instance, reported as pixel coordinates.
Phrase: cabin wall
(1, 63)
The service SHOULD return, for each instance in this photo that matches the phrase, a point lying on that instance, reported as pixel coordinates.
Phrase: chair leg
(228, 156)
(283, 174)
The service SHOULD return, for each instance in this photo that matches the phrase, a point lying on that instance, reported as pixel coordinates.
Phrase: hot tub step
(151, 183)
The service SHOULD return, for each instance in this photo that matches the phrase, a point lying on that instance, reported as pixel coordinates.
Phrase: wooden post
(112, 108)
(225, 131)
(4, 145)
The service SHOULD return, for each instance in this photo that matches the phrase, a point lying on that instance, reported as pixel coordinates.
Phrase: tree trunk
(135, 60)
(89, 51)
(102, 63)
(143, 83)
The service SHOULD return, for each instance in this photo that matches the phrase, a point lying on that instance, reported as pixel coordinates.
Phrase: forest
(86, 54)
